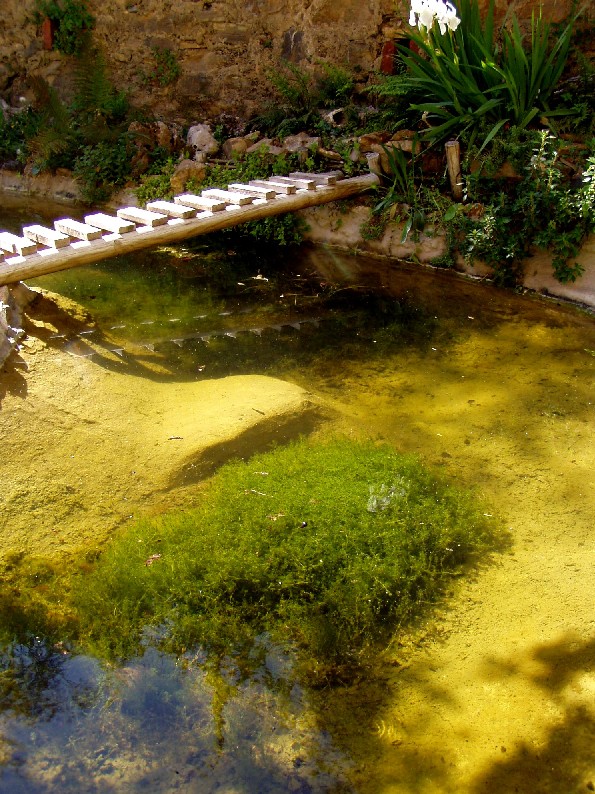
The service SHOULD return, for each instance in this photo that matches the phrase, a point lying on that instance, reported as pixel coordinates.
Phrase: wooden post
(387, 61)
(453, 164)
(48, 32)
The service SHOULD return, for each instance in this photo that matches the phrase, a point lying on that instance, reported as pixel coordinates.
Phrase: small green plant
(15, 131)
(73, 22)
(576, 92)
(55, 141)
(401, 200)
(97, 105)
(156, 185)
(284, 229)
(543, 209)
(301, 96)
(334, 85)
(513, 145)
(90, 136)
(166, 68)
(329, 548)
(374, 226)
(102, 167)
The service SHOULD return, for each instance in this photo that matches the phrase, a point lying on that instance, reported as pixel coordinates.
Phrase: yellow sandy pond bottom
(495, 692)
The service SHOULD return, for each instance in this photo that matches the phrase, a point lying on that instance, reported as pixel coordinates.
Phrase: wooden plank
(172, 209)
(16, 245)
(278, 187)
(200, 202)
(49, 237)
(253, 190)
(301, 184)
(328, 178)
(225, 195)
(81, 231)
(109, 223)
(20, 268)
(143, 217)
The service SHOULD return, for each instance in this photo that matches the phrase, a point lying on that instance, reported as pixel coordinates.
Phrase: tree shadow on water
(564, 761)
(424, 753)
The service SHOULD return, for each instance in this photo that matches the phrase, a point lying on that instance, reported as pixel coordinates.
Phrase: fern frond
(54, 110)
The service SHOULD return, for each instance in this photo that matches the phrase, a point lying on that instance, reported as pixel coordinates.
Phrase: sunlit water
(492, 387)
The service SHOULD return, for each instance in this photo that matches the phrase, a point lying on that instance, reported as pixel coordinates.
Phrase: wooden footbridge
(41, 250)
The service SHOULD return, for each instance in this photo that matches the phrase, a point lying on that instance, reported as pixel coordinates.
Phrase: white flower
(426, 17)
(425, 12)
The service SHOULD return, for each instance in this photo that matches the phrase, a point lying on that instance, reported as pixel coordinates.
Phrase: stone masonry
(225, 48)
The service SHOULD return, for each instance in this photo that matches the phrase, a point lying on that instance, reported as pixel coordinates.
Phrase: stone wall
(224, 47)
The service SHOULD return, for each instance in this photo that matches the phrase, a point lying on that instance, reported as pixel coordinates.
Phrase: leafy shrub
(328, 547)
(15, 130)
(576, 92)
(89, 136)
(72, 19)
(284, 229)
(156, 184)
(96, 102)
(55, 141)
(543, 209)
(102, 167)
(402, 191)
(334, 85)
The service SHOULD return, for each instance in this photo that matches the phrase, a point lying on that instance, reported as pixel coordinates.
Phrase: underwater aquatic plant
(286, 543)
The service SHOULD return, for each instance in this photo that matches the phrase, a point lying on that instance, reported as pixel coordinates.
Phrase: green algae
(327, 547)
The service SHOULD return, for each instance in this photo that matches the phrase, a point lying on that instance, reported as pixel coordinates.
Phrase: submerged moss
(326, 547)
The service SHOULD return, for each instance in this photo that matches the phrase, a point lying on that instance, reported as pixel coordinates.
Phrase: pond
(491, 690)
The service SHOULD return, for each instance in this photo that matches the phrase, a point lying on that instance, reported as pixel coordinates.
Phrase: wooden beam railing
(71, 243)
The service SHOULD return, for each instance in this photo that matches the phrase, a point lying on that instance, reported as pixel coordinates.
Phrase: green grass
(328, 548)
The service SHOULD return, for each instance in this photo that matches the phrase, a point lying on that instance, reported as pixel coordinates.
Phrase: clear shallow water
(161, 724)
(492, 387)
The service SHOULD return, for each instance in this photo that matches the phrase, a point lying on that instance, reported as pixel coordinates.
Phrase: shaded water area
(491, 691)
